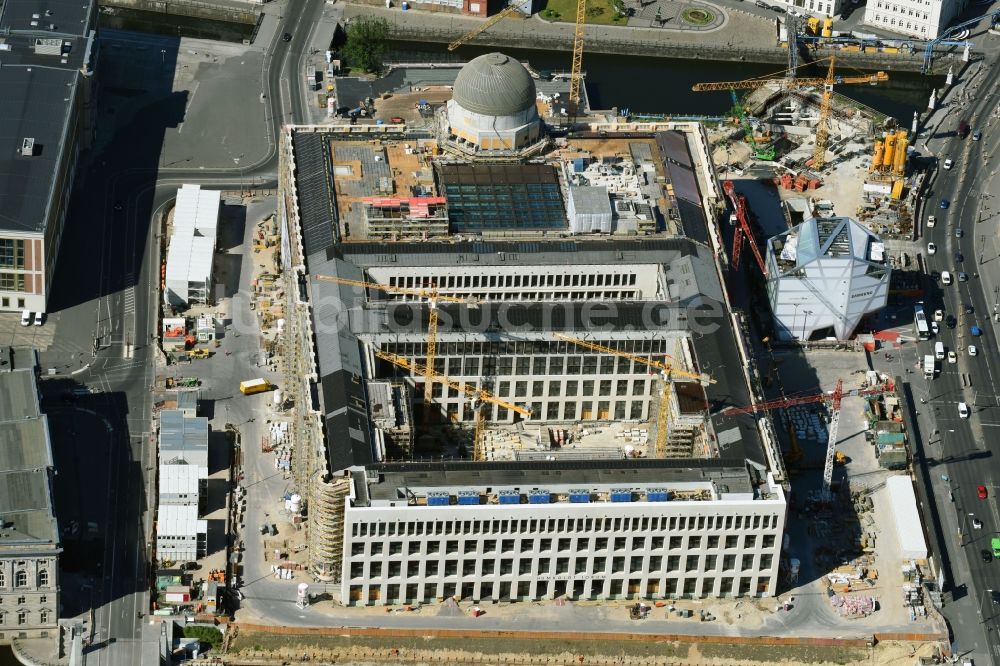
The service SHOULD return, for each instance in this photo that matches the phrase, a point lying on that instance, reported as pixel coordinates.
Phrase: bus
(920, 322)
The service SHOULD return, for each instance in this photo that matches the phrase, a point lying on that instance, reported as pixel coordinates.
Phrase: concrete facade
(923, 19)
(616, 540)
(29, 536)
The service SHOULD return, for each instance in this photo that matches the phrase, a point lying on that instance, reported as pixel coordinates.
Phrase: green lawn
(600, 12)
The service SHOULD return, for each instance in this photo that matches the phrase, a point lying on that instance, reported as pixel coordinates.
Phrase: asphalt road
(105, 296)
(957, 449)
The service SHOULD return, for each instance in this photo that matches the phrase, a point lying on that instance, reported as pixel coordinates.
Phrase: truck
(963, 129)
(251, 386)
(929, 366)
(995, 543)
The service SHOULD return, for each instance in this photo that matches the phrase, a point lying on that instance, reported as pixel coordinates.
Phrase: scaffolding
(326, 526)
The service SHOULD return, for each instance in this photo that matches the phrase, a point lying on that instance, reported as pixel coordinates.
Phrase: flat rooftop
(395, 481)
(25, 464)
(43, 47)
(650, 182)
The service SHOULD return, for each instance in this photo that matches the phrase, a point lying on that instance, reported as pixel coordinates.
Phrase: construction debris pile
(854, 607)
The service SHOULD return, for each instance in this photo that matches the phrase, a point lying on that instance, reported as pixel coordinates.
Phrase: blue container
(512, 498)
(438, 499)
(539, 498)
(579, 497)
(658, 496)
(468, 499)
(621, 496)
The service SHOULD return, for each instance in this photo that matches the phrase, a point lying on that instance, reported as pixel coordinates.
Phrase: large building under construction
(521, 364)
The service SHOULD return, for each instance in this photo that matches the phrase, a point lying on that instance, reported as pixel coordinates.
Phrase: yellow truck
(252, 386)
(199, 353)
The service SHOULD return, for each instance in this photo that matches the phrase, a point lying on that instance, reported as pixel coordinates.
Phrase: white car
(931, 221)
(945, 277)
(977, 524)
(963, 410)
(972, 350)
(39, 318)
(931, 248)
(952, 357)
(939, 315)
(948, 164)
(935, 329)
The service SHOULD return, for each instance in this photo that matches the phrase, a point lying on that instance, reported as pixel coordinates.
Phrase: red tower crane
(742, 227)
(834, 399)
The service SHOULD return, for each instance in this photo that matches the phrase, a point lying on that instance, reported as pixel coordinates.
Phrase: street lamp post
(236, 162)
(805, 317)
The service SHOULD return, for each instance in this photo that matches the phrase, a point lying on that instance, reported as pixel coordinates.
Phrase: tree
(367, 42)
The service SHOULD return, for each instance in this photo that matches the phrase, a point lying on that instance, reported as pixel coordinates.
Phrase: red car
(981, 491)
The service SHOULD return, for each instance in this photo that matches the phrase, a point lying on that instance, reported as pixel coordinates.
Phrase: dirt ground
(421, 650)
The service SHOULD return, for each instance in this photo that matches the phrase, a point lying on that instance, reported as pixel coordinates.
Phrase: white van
(939, 350)
(25, 317)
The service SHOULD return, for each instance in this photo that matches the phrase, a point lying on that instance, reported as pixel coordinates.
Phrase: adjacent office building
(29, 535)
(923, 19)
(47, 114)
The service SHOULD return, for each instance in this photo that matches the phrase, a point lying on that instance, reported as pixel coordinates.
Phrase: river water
(663, 85)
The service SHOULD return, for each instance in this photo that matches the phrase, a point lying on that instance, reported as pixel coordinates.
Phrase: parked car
(935, 329)
(952, 357)
(39, 318)
(25, 317)
(939, 315)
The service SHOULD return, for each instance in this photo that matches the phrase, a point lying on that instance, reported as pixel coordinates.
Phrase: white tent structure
(906, 518)
(825, 274)
(192, 246)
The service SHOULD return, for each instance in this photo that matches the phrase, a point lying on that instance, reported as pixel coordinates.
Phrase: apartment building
(46, 119)
(587, 529)
(29, 536)
(923, 19)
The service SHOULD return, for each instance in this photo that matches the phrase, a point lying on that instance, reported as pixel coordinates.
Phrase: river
(663, 85)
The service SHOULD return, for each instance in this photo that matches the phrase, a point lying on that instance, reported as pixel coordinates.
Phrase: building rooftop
(44, 47)
(494, 85)
(26, 510)
(183, 439)
(177, 520)
(401, 481)
(179, 480)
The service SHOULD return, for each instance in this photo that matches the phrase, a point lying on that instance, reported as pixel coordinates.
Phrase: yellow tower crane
(667, 371)
(509, 10)
(482, 396)
(576, 70)
(785, 83)
(433, 297)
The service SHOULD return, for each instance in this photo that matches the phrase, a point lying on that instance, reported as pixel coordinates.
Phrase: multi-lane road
(106, 290)
(956, 451)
